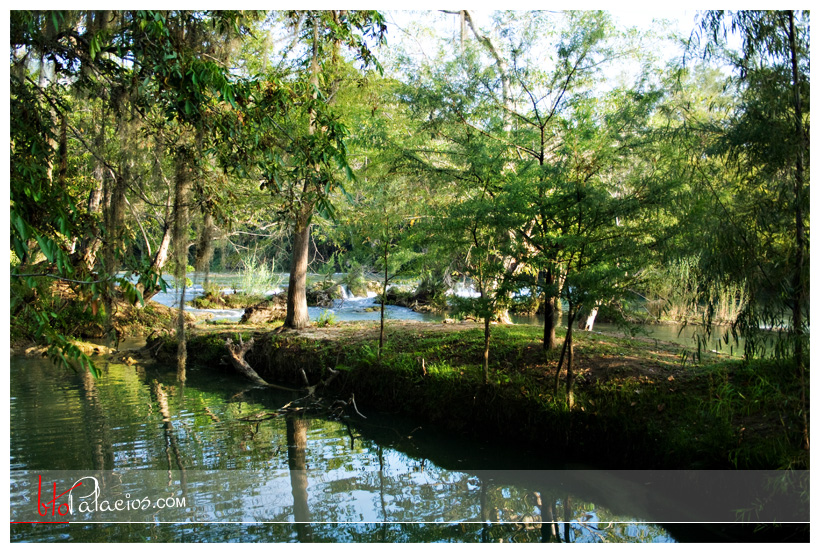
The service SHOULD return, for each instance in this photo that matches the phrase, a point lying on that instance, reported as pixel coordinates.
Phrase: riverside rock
(273, 309)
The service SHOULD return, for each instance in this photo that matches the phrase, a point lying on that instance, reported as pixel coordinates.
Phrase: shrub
(327, 318)
(256, 279)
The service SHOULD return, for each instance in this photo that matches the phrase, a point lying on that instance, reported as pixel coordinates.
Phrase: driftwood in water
(236, 356)
(311, 389)
(304, 404)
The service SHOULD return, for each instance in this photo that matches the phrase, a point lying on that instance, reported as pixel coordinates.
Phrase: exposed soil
(652, 364)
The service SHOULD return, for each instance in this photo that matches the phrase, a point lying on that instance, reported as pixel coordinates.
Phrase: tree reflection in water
(297, 463)
(401, 489)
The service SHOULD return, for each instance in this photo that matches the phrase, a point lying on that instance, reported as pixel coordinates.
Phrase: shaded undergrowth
(637, 404)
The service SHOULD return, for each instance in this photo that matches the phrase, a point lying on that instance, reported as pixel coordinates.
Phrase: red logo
(56, 510)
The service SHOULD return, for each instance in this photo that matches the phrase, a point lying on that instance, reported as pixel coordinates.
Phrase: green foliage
(302, 137)
(481, 162)
(326, 318)
(548, 178)
(763, 146)
(432, 288)
(754, 171)
(32, 320)
(35, 230)
(677, 293)
(258, 277)
(63, 155)
(702, 417)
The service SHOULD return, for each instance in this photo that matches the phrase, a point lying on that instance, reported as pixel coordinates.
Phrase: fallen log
(236, 357)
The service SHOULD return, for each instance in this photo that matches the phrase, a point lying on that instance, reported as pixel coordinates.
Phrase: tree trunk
(570, 373)
(566, 351)
(552, 309)
(62, 166)
(550, 312)
(42, 80)
(384, 297)
(87, 253)
(236, 355)
(163, 251)
(62, 150)
(205, 247)
(589, 322)
(297, 316)
(183, 184)
(501, 64)
(161, 257)
(798, 284)
(549, 323)
(95, 196)
(487, 349)
(113, 219)
(90, 246)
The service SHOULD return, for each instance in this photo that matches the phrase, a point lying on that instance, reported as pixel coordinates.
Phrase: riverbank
(639, 403)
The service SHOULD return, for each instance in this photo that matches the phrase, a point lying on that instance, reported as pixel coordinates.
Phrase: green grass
(636, 404)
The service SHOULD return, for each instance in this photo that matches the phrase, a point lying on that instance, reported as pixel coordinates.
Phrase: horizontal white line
(532, 523)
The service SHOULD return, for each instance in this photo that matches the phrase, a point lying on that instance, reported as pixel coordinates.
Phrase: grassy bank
(639, 403)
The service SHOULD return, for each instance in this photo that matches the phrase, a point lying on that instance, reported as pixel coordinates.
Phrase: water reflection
(228, 452)
(173, 455)
(297, 465)
(101, 455)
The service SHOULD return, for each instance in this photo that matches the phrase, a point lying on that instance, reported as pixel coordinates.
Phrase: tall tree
(146, 68)
(766, 145)
(520, 103)
(316, 149)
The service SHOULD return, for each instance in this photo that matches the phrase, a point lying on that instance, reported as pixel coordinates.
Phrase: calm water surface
(245, 475)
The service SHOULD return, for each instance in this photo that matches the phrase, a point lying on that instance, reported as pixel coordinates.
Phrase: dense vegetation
(143, 142)
(640, 404)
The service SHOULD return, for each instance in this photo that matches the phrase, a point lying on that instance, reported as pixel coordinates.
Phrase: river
(142, 435)
(235, 468)
(365, 309)
(229, 466)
